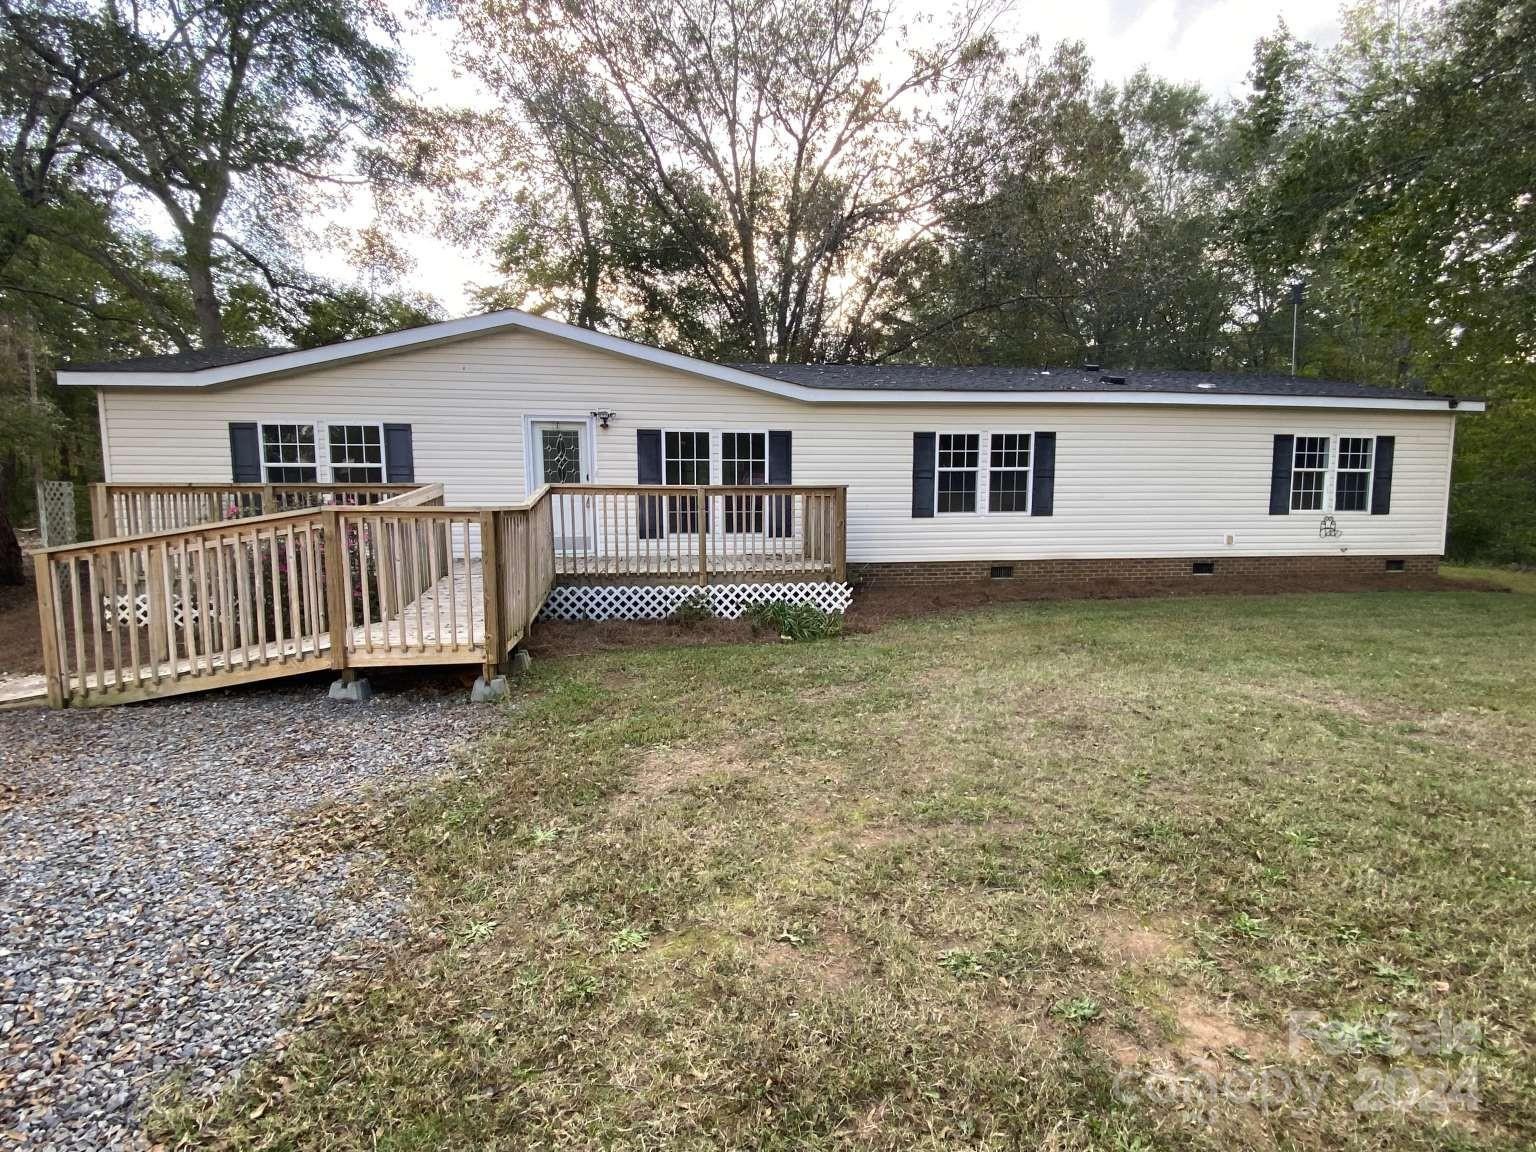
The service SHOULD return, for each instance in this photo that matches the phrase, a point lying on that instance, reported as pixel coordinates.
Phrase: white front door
(559, 455)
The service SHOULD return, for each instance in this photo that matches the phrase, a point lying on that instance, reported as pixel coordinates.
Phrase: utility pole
(1296, 291)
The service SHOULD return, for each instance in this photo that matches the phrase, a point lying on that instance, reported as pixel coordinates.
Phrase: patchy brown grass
(1046, 875)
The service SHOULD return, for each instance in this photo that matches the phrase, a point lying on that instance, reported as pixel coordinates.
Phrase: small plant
(794, 621)
(1079, 1009)
(545, 834)
(962, 965)
(1253, 927)
(627, 940)
(693, 611)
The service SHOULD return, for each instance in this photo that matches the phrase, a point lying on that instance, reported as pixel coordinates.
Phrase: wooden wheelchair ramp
(404, 581)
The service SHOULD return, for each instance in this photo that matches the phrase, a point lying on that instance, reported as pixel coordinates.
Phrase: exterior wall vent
(1002, 571)
(1113, 379)
(1397, 566)
(1203, 568)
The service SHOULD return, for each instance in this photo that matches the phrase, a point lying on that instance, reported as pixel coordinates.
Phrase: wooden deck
(377, 578)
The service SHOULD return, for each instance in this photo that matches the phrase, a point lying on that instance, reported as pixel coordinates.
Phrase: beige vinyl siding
(1130, 480)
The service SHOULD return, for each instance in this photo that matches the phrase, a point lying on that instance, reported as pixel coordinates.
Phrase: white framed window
(743, 460)
(1309, 474)
(1008, 472)
(970, 464)
(956, 472)
(1332, 473)
(317, 452)
(356, 453)
(288, 454)
(1352, 482)
(684, 460)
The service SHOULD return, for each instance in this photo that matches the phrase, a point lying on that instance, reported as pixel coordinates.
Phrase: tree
(1088, 236)
(225, 118)
(783, 181)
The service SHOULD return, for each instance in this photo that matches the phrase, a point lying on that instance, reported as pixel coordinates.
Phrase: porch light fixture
(603, 416)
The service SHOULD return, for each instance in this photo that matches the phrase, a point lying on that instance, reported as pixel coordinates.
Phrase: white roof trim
(288, 363)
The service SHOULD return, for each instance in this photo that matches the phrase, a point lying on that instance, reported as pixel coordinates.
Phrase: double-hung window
(288, 454)
(743, 460)
(1008, 475)
(1332, 473)
(1352, 484)
(959, 460)
(1309, 474)
(685, 460)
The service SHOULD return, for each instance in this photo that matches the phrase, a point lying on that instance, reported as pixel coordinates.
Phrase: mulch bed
(874, 606)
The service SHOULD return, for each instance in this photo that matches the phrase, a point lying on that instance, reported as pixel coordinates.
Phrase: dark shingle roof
(924, 378)
(180, 361)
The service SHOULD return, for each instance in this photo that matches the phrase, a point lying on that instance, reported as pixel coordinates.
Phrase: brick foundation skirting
(1299, 568)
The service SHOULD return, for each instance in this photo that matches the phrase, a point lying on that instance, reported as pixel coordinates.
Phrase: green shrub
(794, 621)
(693, 611)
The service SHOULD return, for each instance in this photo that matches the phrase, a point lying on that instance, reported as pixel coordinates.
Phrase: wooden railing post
(701, 524)
(268, 500)
(336, 575)
(47, 617)
(102, 527)
(490, 589)
(840, 534)
(157, 597)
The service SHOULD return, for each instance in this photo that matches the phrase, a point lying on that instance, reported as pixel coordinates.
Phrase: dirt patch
(829, 965)
(669, 769)
(1129, 940)
(873, 606)
(21, 642)
(577, 637)
(1208, 1035)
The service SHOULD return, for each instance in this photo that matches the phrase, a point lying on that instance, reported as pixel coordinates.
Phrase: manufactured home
(502, 466)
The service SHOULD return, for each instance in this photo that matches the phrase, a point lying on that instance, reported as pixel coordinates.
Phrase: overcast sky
(1208, 42)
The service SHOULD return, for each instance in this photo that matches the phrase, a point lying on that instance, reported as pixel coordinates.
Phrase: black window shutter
(1042, 493)
(781, 509)
(1381, 476)
(652, 520)
(244, 454)
(924, 449)
(399, 456)
(1280, 476)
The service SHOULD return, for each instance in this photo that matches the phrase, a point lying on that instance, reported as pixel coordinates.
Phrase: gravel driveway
(160, 915)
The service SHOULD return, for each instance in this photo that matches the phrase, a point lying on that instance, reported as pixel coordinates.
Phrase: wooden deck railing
(718, 533)
(398, 580)
(119, 510)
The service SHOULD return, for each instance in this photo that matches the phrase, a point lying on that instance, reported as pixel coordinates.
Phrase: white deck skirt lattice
(658, 601)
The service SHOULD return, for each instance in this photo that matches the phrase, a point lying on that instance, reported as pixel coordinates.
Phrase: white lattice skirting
(658, 601)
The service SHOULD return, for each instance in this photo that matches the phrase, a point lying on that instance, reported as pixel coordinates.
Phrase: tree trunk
(12, 563)
(205, 299)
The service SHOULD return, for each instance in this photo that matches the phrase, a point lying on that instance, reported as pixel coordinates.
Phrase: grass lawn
(1046, 875)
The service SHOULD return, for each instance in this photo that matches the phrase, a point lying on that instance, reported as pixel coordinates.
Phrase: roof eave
(289, 363)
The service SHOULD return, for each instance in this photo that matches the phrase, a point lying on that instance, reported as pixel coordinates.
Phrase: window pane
(957, 491)
(1352, 494)
(1306, 491)
(1355, 452)
(1311, 452)
(1009, 491)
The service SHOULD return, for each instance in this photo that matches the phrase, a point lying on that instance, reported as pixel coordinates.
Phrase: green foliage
(794, 621)
(693, 611)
